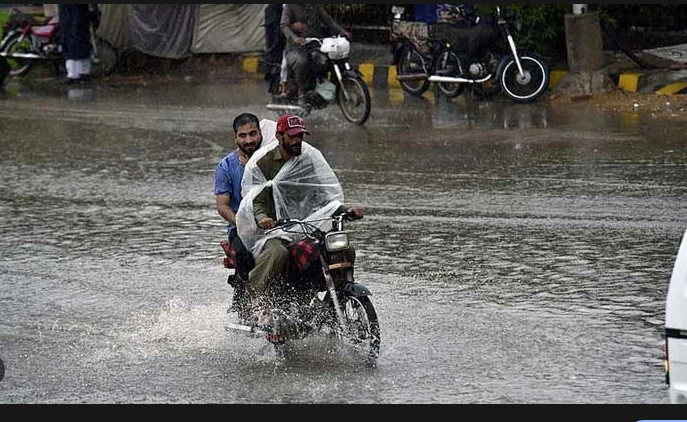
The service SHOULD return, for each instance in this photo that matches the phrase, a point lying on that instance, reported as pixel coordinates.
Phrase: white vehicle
(676, 329)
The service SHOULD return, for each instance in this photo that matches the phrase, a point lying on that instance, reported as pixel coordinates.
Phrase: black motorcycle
(320, 294)
(479, 51)
(332, 80)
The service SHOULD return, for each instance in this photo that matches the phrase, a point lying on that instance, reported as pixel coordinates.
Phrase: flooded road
(516, 253)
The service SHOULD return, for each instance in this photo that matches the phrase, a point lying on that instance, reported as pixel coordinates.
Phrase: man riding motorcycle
(299, 21)
(288, 179)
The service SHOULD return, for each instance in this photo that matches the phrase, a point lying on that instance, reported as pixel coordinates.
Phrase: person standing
(274, 40)
(75, 38)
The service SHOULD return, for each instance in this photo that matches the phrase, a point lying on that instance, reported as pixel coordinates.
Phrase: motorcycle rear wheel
(104, 58)
(356, 108)
(18, 66)
(528, 87)
(363, 327)
(449, 65)
(411, 62)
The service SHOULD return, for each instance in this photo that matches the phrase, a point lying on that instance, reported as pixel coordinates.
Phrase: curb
(384, 76)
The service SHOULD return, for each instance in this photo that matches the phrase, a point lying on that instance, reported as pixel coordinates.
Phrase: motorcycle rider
(290, 179)
(248, 136)
(299, 21)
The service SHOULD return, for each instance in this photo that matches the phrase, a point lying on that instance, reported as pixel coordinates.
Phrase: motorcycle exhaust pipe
(412, 77)
(284, 107)
(20, 55)
(451, 80)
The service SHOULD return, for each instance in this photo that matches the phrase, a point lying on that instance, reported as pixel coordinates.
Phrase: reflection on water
(525, 249)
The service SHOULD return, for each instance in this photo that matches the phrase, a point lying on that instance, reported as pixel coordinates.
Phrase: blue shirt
(228, 175)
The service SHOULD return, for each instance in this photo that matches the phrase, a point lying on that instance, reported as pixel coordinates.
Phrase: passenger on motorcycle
(289, 179)
(300, 21)
(248, 136)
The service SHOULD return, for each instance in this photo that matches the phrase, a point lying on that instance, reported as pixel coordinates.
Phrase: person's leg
(244, 263)
(298, 63)
(270, 267)
(284, 76)
(72, 69)
(84, 68)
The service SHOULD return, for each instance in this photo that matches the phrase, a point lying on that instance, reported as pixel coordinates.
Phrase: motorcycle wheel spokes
(105, 58)
(449, 65)
(410, 62)
(527, 87)
(363, 327)
(356, 108)
(18, 66)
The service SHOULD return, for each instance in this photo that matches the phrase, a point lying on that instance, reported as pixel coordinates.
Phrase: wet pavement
(516, 253)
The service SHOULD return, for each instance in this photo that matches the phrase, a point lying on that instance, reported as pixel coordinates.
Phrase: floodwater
(516, 253)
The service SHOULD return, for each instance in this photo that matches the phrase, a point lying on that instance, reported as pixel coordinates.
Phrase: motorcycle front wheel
(528, 86)
(18, 66)
(411, 62)
(354, 100)
(363, 327)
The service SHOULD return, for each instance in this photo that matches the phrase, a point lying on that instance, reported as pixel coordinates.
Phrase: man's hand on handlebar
(267, 223)
(355, 212)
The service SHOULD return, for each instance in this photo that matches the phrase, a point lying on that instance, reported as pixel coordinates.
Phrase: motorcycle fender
(397, 49)
(354, 73)
(356, 290)
(3, 43)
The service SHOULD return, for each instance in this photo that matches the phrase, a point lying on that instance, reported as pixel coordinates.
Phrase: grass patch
(4, 17)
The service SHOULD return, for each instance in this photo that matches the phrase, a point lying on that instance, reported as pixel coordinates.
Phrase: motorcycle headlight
(335, 242)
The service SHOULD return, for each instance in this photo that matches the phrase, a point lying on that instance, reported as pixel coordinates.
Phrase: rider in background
(290, 179)
(298, 22)
(248, 136)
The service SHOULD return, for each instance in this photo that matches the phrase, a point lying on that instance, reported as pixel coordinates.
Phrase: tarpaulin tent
(180, 30)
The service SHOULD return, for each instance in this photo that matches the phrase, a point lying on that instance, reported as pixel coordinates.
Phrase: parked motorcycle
(486, 56)
(320, 295)
(28, 41)
(332, 80)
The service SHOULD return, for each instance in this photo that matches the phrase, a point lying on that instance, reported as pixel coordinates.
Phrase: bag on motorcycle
(303, 254)
(472, 39)
(326, 89)
(416, 32)
(230, 254)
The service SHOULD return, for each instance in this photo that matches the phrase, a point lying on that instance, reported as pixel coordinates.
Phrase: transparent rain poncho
(305, 188)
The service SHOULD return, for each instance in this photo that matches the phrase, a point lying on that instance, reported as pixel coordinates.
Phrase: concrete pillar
(584, 42)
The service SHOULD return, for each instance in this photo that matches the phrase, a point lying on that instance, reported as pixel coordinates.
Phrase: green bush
(540, 27)
(4, 17)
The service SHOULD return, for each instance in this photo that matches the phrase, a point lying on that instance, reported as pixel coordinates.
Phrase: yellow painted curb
(250, 64)
(368, 71)
(629, 82)
(555, 77)
(391, 79)
(672, 89)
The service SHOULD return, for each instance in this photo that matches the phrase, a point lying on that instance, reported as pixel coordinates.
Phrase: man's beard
(294, 150)
(249, 148)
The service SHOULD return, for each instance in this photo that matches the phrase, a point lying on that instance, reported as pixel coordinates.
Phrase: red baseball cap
(291, 125)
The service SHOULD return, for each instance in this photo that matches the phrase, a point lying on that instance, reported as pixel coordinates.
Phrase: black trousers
(244, 258)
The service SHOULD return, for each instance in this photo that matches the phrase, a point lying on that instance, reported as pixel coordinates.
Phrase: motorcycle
(485, 57)
(332, 80)
(28, 41)
(320, 294)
